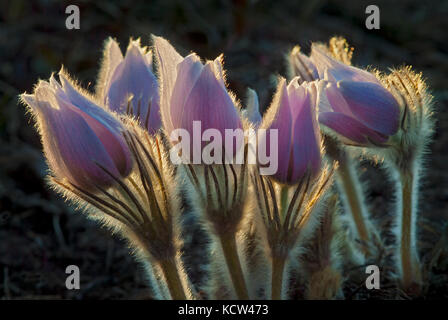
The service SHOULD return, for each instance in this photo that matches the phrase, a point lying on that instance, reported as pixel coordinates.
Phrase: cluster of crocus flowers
(390, 118)
(358, 111)
(111, 153)
(288, 201)
(105, 159)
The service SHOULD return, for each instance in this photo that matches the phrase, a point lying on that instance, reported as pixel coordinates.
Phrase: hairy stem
(229, 248)
(278, 268)
(408, 258)
(172, 279)
(349, 182)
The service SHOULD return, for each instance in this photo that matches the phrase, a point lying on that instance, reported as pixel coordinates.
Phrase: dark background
(40, 235)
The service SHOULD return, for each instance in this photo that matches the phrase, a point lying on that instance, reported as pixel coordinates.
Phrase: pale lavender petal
(338, 70)
(188, 72)
(322, 103)
(305, 135)
(336, 100)
(209, 103)
(87, 108)
(218, 69)
(297, 94)
(302, 66)
(112, 57)
(283, 124)
(350, 128)
(70, 145)
(81, 101)
(372, 104)
(167, 61)
(134, 78)
(114, 145)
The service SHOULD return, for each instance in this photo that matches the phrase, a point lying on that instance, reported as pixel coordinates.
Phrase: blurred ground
(40, 235)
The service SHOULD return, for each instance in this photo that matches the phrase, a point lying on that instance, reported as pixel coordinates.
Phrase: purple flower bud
(78, 136)
(362, 112)
(299, 141)
(128, 85)
(193, 91)
(360, 108)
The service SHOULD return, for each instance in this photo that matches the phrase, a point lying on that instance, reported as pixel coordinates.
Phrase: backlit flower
(193, 91)
(128, 85)
(358, 106)
(299, 143)
(82, 142)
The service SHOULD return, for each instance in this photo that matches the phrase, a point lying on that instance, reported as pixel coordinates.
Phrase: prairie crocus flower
(289, 200)
(405, 163)
(355, 110)
(299, 143)
(194, 100)
(128, 85)
(361, 111)
(194, 94)
(361, 114)
(82, 142)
